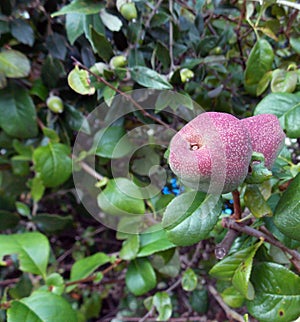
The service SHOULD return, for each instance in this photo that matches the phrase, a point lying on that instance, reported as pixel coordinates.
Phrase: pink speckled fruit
(211, 153)
(266, 136)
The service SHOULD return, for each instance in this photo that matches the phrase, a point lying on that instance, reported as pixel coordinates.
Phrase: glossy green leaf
(130, 247)
(226, 268)
(41, 306)
(79, 81)
(74, 26)
(258, 64)
(86, 266)
(140, 276)
(277, 293)
(86, 7)
(51, 223)
(189, 280)
(154, 241)
(287, 211)
(241, 276)
(112, 22)
(112, 142)
(8, 219)
(190, 217)
(149, 78)
(14, 64)
(76, 120)
(17, 112)
(101, 44)
(53, 163)
(37, 187)
(292, 122)
(232, 297)
(121, 197)
(256, 203)
(163, 305)
(264, 83)
(173, 100)
(22, 31)
(283, 81)
(32, 248)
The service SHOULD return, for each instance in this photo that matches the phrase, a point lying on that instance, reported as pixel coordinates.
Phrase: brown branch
(9, 281)
(232, 224)
(237, 215)
(126, 96)
(231, 314)
(224, 246)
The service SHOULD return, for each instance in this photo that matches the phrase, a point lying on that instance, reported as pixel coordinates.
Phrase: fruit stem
(236, 205)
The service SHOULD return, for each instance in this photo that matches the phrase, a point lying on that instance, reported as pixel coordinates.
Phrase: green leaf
(154, 241)
(190, 217)
(22, 31)
(173, 100)
(283, 81)
(256, 203)
(39, 307)
(167, 262)
(149, 78)
(163, 305)
(53, 163)
(52, 71)
(112, 22)
(32, 248)
(292, 122)
(277, 293)
(258, 64)
(17, 112)
(56, 45)
(101, 44)
(287, 211)
(189, 280)
(232, 297)
(8, 220)
(286, 107)
(121, 197)
(74, 26)
(79, 81)
(112, 142)
(52, 223)
(199, 301)
(263, 83)
(241, 276)
(86, 266)
(37, 187)
(140, 276)
(226, 268)
(14, 64)
(295, 44)
(86, 7)
(130, 247)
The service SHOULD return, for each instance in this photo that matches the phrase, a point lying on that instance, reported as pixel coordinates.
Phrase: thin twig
(231, 314)
(236, 205)
(224, 246)
(232, 224)
(126, 96)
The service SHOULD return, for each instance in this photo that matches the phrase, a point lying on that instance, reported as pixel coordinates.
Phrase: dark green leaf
(121, 197)
(199, 301)
(8, 220)
(190, 217)
(32, 248)
(292, 122)
(140, 276)
(53, 163)
(277, 293)
(22, 31)
(149, 78)
(173, 100)
(56, 45)
(17, 112)
(102, 45)
(52, 71)
(74, 26)
(14, 64)
(154, 241)
(287, 211)
(76, 120)
(41, 306)
(52, 223)
(86, 7)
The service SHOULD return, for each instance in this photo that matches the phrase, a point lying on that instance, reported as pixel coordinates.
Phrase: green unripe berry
(55, 104)
(118, 61)
(128, 11)
(186, 75)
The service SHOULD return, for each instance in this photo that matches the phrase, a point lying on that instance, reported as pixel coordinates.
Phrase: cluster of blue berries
(227, 207)
(172, 187)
